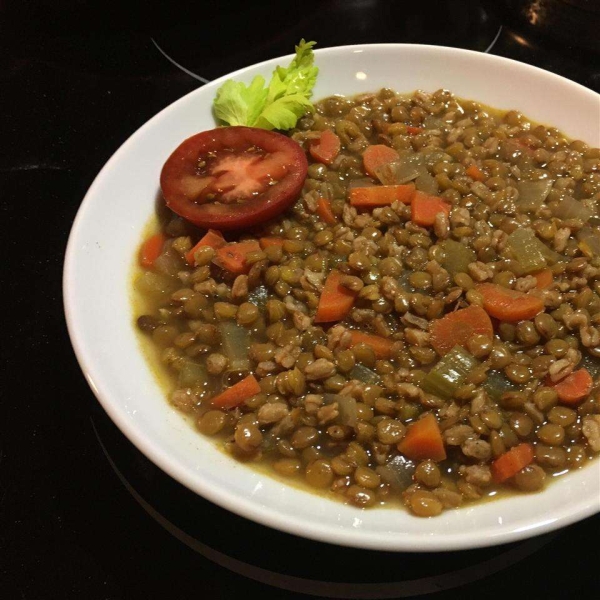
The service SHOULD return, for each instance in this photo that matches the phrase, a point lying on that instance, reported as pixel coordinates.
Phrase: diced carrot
(324, 211)
(382, 347)
(425, 208)
(151, 248)
(507, 465)
(411, 130)
(509, 305)
(265, 242)
(574, 387)
(458, 327)
(474, 172)
(237, 394)
(423, 440)
(381, 195)
(544, 279)
(376, 156)
(326, 148)
(212, 238)
(335, 301)
(232, 257)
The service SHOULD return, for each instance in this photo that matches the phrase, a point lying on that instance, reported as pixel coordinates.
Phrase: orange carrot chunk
(212, 238)
(425, 208)
(411, 130)
(423, 440)
(381, 195)
(376, 156)
(509, 305)
(150, 250)
(507, 465)
(456, 328)
(474, 172)
(324, 211)
(232, 257)
(382, 347)
(544, 279)
(265, 242)
(326, 148)
(335, 301)
(237, 394)
(574, 387)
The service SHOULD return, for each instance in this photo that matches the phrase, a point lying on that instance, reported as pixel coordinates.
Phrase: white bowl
(97, 283)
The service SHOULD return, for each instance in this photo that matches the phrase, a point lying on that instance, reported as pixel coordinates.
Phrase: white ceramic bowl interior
(97, 282)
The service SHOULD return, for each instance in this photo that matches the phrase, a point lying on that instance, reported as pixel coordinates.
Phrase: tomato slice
(233, 177)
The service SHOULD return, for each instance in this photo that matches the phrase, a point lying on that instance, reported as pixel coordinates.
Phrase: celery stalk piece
(450, 373)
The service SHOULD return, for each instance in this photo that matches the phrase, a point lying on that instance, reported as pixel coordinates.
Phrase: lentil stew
(422, 326)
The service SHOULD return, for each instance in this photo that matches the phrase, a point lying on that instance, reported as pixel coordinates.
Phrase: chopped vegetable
(588, 241)
(155, 284)
(510, 463)
(411, 130)
(458, 327)
(426, 183)
(423, 440)
(169, 262)
(278, 106)
(574, 387)
(402, 170)
(382, 195)
(237, 394)
(457, 257)
(347, 408)
(326, 148)
(474, 172)
(544, 279)
(569, 208)
(324, 211)
(509, 305)
(397, 473)
(374, 157)
(449, 373)
(212, 238)
(532, 194)
(424, 208)
(232, 257)
(364, 375)
(235, 342)
(192, 374)
(265, 242)
(382, 347)
(151, 249)
(497, 384)
(525, 247)
(335, 301)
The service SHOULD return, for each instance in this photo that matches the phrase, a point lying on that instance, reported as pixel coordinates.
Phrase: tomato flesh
(233, 177)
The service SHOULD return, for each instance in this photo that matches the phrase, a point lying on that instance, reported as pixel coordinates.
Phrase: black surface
(82, 513)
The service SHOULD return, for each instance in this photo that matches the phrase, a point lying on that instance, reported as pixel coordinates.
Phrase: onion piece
(235, 342)
(405, 169)
(532, 194)
(347, 408)
(365, 375)
(569, 208)
(427, 183)
(397, 473)
(588, 241)
(457, 257)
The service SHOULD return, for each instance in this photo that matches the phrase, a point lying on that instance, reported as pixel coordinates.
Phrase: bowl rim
(246, 507)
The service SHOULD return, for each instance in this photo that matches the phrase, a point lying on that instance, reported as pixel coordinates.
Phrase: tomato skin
(180, 183)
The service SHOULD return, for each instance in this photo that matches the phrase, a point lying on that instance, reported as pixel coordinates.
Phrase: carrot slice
(425, 208)
(381, 195)
(411, 130)
(212, 238)
(324, 211)
(265, 242)
(574, 387)
(507, 465)
(509, 305)
(474, 172)
(423, 440)
(544, 279)
(376, 156)
(150, 250)
(335, 301)
(237, 394)
(326, 148)
(232, 257)
(456, 328)
(381, 346)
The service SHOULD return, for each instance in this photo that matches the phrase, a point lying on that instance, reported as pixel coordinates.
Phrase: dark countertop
(82, 513)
